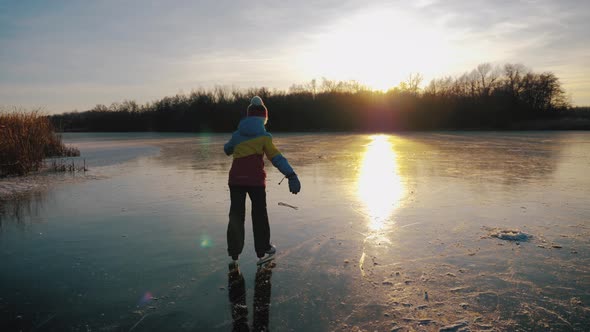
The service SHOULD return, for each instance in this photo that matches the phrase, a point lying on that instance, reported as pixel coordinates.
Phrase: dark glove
(294, 184)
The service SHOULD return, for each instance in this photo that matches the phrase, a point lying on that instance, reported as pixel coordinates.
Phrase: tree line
(488, 97)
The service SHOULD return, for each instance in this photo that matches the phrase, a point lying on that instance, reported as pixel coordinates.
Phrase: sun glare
(379, 49)
(380, 187)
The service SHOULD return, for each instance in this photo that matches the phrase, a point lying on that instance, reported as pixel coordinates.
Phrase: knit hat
(257, 108)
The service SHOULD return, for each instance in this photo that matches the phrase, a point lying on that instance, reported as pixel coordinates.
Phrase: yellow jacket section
(258, 145)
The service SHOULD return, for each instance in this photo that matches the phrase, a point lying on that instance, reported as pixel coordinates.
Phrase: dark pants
(237, 216)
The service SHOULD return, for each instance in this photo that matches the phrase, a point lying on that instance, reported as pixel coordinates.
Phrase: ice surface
(391, 232)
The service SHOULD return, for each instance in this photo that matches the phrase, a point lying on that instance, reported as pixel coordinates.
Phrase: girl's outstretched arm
(281, 163)
(276, 157)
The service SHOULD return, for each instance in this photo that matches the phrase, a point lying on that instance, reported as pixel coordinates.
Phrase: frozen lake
(392, 232)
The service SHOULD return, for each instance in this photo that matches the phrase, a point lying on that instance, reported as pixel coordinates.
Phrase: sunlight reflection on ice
(380, 190)
(380, 186)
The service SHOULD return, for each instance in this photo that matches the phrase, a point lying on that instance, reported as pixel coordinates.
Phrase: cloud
(147, 50)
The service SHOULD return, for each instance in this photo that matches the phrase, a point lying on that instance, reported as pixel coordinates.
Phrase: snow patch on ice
(509, 234)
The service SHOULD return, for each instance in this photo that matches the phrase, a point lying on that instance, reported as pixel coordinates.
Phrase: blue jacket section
(248, 128)
(252, 126)
(282, 164)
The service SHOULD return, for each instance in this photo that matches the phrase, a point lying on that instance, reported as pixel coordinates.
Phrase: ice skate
(269, 255)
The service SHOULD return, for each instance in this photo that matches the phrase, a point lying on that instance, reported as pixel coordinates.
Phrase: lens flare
(205, 241)
(146, 298)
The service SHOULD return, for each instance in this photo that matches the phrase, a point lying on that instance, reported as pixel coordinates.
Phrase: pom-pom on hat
(257, 108)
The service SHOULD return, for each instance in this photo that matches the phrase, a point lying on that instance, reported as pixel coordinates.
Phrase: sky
(71, 55)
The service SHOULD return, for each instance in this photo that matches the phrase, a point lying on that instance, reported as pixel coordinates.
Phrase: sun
(378, 48)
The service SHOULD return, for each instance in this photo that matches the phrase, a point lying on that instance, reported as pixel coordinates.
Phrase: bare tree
(514, 74)
(312, 86)
(440, 86)
(483, 70)
(432, 88)
(414, 81)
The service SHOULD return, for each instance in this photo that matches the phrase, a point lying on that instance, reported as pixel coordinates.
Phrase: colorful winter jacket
(248, 144)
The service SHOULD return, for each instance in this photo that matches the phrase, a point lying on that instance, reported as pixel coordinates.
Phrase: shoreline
(561, 124)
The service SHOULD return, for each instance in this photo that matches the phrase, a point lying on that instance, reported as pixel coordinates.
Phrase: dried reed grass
(26, 138)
